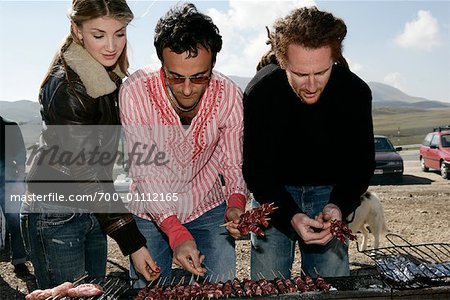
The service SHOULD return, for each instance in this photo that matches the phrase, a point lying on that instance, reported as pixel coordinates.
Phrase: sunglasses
(182, 79)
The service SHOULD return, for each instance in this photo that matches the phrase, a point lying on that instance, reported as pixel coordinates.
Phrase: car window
(435, 140)
(445, 141)
(427, 140)
(383, 145)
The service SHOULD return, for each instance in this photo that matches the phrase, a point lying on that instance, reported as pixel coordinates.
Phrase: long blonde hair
(85, 10)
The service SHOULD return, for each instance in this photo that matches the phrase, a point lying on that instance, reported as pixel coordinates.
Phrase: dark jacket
(287, 142)
(86, 103)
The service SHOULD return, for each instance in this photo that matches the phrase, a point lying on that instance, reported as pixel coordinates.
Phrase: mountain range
(21, 111)
(384, 96)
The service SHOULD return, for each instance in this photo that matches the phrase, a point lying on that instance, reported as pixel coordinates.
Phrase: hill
(22, 111)
(388, 96)
(385, 93)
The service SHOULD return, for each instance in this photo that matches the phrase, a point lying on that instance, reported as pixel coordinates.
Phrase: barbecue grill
(408, 266)
(367, 286)
(352, 287)
(401, 271)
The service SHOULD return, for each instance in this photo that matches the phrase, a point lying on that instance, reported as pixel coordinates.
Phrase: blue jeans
(11, 209)
(64, 246)
(275, 251)
(212, 241)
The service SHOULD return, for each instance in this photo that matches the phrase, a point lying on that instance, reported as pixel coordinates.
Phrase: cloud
(242, 27)
(354, 66)
(421, 33)
(396, 80)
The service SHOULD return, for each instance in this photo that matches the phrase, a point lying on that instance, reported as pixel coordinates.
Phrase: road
(408, 155)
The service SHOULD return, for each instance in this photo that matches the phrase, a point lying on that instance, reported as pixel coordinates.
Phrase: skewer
(156, 283)
(281, 274)
(261, 275)
(173, 279)
(204, 280)
(164, 281)
(181, 281)
(80, 279)
(273, 207)
(226, 224)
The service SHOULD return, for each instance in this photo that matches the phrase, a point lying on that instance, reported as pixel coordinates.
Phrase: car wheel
(423, 167)
(444, 171)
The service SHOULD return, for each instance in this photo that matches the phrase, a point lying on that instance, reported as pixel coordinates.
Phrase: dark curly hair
(310, 28)
(184, 29)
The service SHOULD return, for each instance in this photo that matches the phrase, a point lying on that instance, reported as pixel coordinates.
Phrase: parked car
(435, 151)
(389, 164)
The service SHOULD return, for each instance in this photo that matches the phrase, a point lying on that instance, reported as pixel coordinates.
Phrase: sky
(405, 44)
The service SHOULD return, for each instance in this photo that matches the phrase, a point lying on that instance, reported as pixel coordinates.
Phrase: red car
(435, 151)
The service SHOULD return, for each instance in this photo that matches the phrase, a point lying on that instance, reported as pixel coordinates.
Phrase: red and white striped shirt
(170, 161)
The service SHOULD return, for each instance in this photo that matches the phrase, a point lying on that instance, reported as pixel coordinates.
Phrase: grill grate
(406, 266)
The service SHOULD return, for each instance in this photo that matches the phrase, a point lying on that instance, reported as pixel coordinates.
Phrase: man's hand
(311, 231)
(330, 212)
(233, 214)
(144, 264)
(187, 256)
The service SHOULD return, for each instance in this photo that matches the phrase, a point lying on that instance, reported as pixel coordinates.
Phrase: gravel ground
(417, 210)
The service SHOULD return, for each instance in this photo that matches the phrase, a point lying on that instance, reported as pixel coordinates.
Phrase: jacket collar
(92, 74)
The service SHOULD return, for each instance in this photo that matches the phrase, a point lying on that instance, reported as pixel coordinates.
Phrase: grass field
(408, 126)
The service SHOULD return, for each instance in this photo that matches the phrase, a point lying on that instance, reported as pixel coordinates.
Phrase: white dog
(369, 217)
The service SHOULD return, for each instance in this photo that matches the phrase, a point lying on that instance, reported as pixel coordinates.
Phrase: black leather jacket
(65, 101)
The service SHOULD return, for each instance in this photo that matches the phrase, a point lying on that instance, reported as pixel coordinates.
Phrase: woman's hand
(144, 264)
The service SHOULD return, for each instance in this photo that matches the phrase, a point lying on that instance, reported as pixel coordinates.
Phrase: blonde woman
(81, 90)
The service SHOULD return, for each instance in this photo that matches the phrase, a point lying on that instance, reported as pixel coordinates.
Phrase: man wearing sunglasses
(184, 128)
